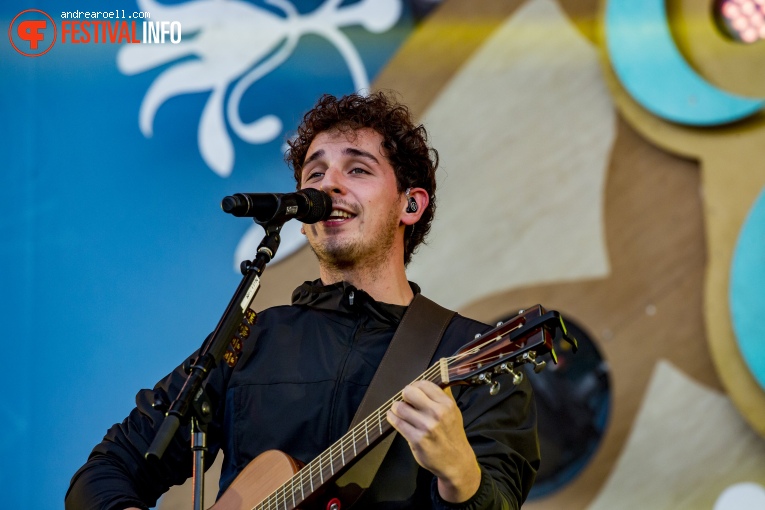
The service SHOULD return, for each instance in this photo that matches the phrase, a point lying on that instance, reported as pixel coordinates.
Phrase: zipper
(359, 329)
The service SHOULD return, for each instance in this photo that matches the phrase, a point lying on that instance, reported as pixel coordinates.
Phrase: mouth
(338, 216)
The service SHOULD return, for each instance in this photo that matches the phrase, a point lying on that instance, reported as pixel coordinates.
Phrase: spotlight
(741, 20)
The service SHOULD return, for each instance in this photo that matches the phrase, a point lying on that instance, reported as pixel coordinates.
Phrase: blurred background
(603, 158)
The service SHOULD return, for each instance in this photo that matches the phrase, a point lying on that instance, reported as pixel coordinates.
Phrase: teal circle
(747, 290)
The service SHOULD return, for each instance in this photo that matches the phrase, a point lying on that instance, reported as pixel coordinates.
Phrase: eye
(358, 170)
(313, 175)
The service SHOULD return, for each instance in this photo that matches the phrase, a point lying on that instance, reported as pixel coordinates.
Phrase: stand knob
(160, 404)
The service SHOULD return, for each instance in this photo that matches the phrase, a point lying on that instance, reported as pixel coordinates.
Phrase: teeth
(336, 213)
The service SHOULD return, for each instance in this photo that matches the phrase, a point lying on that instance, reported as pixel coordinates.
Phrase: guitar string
(432, 374)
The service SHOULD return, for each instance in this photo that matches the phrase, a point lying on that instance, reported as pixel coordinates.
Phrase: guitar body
(261, 477)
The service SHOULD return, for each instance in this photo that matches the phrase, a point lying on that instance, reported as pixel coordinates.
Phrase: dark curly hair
(405, 144)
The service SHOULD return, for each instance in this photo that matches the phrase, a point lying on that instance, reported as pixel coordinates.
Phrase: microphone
(308, 205)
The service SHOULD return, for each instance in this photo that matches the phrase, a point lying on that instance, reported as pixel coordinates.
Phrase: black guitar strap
(409, 354)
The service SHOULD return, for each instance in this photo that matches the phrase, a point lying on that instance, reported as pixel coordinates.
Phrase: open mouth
(339, 216)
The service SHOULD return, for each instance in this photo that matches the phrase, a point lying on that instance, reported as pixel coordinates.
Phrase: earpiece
(411, 207)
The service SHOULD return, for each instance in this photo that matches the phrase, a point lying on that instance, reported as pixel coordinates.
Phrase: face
(367, 207)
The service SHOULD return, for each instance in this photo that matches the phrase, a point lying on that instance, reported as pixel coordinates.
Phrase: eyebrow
(348, 151)
(316, 155)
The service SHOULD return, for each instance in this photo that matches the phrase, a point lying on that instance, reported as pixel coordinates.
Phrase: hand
(431, 422)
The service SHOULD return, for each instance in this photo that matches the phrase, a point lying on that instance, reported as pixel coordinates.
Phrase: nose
(332, 183)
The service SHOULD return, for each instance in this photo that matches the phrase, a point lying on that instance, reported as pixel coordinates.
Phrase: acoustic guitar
(276, 481)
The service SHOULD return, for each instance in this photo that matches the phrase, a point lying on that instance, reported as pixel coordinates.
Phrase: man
(306, 367)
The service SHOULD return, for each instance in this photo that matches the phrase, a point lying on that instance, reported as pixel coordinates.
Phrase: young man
(306, 367)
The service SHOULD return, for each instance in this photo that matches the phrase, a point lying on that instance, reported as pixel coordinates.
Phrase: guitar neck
(344, 451)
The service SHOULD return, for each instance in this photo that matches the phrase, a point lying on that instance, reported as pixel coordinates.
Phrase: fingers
(406, 429)
(430, 421)
(411, 418)
(424, 406)
(422, 394)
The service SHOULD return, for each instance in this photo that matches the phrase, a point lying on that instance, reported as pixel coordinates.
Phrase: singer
(306, 367)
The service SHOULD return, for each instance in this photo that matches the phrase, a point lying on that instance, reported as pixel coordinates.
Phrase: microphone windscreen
(229, 204)
(319, 203)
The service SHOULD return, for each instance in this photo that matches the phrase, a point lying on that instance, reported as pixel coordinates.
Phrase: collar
(344, 297)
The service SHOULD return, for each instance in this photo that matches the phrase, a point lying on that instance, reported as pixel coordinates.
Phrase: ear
(423, 200)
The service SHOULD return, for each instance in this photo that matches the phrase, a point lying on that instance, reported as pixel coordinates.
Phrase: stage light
(741, 20)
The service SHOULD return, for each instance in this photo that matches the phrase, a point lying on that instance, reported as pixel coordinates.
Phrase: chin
(336, 254)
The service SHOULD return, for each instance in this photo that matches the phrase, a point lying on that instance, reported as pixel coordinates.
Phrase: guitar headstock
(523, 339)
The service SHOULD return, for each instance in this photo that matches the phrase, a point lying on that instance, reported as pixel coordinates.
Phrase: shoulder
(290, 316)
(464, 328)
(279, 311)
(459, 328)
(466, 323)
(459, 322)
(460, 331)
(278, 327)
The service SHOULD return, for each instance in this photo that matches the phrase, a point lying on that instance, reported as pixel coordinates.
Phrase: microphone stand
(225, 342)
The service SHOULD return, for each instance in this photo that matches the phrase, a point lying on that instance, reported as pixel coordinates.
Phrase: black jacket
(296, 387)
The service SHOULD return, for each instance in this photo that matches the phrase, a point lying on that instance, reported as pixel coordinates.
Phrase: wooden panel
(732, 177)
(439, 47)
(649, 308)
(688, 446)
(523, 160)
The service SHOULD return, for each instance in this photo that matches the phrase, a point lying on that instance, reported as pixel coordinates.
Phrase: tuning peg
(485, 378)
(508, 369)
(531, 357)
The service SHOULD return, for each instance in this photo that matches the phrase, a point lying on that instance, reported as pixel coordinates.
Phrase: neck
(384, 282)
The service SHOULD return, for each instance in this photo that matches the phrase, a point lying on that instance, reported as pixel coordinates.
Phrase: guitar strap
(409, 354)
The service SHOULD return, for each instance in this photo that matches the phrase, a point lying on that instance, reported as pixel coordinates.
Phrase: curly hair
(406, 145)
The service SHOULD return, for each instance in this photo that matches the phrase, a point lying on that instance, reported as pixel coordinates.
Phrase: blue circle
(747, 290)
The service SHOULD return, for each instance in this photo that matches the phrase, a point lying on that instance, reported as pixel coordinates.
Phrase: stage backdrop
(600, 157)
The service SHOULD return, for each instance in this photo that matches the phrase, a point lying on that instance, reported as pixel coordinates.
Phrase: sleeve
(502, 430)
(116, 475)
